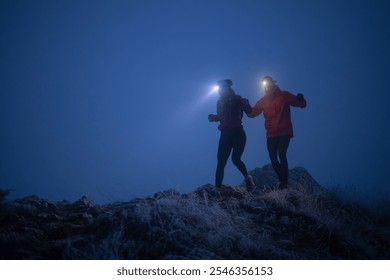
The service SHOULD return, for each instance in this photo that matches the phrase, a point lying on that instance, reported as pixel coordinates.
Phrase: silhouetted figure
(230, 108)
(276, 107)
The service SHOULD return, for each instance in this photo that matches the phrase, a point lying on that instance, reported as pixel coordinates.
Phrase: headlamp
(267, 82)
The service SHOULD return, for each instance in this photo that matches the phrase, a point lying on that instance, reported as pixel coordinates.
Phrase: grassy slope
(302, 222)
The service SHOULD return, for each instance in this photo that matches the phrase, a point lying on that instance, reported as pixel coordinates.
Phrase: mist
(110, 100)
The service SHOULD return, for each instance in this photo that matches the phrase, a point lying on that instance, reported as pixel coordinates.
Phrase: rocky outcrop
(304, 221)
(265, 177)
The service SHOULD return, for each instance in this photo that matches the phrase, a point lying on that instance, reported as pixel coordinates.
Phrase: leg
(238, 149)
(224, 149)
(284, 141)
(272, 147)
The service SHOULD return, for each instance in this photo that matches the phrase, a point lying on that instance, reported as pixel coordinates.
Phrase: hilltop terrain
(304, 221)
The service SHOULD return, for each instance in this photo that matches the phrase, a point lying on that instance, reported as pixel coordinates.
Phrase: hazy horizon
(110, 99)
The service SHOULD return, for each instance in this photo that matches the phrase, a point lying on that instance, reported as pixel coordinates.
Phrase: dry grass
(304, 222)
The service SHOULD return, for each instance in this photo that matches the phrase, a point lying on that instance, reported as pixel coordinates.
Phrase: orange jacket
(276, 107)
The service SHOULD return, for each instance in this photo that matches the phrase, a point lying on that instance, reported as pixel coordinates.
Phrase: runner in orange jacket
(276, 107)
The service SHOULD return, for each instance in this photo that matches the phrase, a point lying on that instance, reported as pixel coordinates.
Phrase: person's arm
(215, 118)
(301, 99)
(296, 101)
(256, 110)
(246, 107)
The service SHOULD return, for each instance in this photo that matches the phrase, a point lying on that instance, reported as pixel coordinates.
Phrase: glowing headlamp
(213, 90)
(267, 82)
(221, 85)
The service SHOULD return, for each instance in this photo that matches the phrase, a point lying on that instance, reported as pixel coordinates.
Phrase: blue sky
(109, 98)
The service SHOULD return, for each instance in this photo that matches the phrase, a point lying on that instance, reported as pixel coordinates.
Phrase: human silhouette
(276, 107)
(230, 108)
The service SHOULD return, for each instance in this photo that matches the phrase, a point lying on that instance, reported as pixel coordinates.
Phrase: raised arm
(256, 110)
(302, 100)
(297, 101)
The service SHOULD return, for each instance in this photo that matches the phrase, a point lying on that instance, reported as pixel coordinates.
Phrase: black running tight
(277, 146)
(230, 140)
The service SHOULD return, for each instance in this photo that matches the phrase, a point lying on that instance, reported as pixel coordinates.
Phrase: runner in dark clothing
(230, 108)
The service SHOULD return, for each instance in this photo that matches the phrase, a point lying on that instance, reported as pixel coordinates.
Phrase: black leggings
(278, 146)
(231, 139)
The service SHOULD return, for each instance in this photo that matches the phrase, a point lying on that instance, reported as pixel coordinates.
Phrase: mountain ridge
(304, 221)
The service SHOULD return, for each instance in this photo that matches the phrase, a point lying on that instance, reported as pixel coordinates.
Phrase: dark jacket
(230, 110)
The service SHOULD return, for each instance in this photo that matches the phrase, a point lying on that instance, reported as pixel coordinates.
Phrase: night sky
(110, 99)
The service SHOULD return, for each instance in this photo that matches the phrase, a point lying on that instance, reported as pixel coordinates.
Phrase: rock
(83, 202)
(166, 194)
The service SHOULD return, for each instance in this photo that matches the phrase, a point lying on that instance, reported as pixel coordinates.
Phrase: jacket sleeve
(219, 111)
(256, 110)
(294, 101)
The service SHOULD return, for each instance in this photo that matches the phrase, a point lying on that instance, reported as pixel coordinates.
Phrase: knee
(236, 160)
